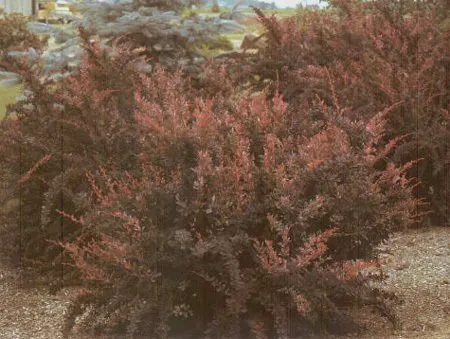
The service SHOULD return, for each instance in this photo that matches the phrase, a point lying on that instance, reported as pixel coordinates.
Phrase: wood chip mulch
(416, 263)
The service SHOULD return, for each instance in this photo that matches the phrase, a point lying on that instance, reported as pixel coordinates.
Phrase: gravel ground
(28, 313)
(417, 265)
(418, 268)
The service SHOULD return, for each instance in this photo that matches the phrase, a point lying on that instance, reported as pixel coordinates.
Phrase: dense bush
(14, 36)
(367, 57)
(238, 224)
(199, 209)
(57, 132)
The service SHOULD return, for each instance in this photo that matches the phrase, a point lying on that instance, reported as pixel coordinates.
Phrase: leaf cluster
(364, 58)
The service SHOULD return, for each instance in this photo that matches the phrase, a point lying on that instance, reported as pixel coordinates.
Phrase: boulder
(252, 41)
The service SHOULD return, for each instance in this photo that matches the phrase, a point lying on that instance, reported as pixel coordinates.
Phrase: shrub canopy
(209, 209)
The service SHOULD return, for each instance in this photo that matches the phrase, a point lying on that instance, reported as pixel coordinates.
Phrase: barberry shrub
(237, 223)
(366, 57)
(189, 213)
(14, 37)
(53, 135)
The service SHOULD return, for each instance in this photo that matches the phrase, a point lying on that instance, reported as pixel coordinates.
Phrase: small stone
(402, 266)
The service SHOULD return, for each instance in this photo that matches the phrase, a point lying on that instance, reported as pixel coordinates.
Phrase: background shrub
(364, 58)
(14, 35)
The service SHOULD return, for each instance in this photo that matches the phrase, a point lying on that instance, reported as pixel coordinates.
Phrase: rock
(73, 52)
(144, 67)
(401, 266)
(16, 54)
(73, 65)
(252, 41)
(71, 42)
(236, 16)
(9, 79)
(10, 82)
(227, 26)
(40, 28)
(30, 55)
(53, 62)
(146, 11)
(57, 77)
(62, 37)
(162, 31)
(239, 17)
(226, 15)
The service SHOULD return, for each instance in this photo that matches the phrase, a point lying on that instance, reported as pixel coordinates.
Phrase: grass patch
(201, 11)
(235, 36)
(215, 47)
(8, 96)
(208, 10)
(280, 11)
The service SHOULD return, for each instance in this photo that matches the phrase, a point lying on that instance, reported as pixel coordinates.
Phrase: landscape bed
(168, 186)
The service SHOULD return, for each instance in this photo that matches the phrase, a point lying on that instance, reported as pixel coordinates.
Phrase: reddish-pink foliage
(230, 201)
(381, 61)
(228, 204)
